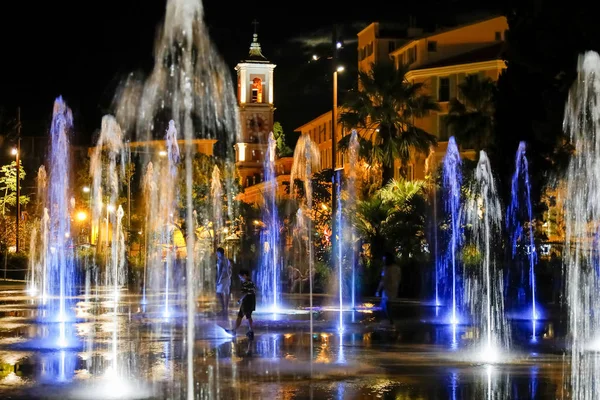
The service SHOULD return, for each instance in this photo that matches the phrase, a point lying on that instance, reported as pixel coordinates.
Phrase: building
(441, 60)
(256, 107)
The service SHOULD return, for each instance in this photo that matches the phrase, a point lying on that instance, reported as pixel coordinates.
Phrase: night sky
(82, 49)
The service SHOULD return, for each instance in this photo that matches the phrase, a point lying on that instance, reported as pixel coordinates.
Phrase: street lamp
(334, 184)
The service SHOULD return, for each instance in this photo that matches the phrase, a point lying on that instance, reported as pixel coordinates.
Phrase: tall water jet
(106, 162)
(582, 220)
(269, 272)
(150, 193)
(168, 197)
(60, 274)
(451, 187)
(307, 160)
(216, 195)
(483, 278)
(353, 161)
(519, 223)
(191, 85)
(37, 255)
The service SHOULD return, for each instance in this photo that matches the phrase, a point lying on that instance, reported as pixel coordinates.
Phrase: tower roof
(255, 54)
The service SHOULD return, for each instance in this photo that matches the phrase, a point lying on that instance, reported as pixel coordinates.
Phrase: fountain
(269, 272)
(307, 160)
(58, 274)
(451, 186)
(39, 234)
(105, 164)
(519, 222)
(191, 85)
(582, 220)
(483, 280)
(160, 220)
(353, 161)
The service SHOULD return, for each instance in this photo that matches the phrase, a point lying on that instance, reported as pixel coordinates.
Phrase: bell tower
(255, 100)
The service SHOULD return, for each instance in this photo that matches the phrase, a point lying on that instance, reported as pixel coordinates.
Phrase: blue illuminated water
(451, 185)
(519, 223)
(269, 265)
(353, 158)
(60, 270)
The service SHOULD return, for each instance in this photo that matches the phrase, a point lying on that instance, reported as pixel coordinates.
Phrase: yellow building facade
(441, 60)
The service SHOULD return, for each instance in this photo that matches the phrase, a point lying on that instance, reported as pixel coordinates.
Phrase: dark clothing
(248, 303)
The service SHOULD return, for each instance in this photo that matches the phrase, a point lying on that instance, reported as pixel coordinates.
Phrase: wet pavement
(418, 358)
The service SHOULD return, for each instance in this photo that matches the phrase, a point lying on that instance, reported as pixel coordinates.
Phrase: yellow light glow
(162, 153)
(110, 208)
(340, 68)
(14, 152)
(81, 216)
(241, 151)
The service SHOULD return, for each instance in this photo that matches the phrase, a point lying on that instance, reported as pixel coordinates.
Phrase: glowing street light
(14, 151)
(86, 189)
(340, 68)
(110, 208)
(162, 153)
(81, 216)
(315, 57)
(338, 45)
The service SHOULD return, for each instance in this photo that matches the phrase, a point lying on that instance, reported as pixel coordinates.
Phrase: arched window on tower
(256, 90)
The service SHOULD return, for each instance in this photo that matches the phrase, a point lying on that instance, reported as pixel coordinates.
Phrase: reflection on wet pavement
(416, 359)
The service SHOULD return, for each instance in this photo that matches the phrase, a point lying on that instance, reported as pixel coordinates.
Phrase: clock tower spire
(256, 104)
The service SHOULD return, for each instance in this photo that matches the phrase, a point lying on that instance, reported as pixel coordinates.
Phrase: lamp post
(334, 181)
(18, 160)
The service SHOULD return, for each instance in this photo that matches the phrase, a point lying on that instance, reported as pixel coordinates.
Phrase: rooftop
(487, 53)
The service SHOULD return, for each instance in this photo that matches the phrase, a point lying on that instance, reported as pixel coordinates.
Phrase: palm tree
(394, 220)
(385, 110)
(472, 118)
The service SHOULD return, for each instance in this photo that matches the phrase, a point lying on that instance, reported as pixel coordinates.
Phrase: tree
(283, 150)
(394, 220)
(472, 117)
(8, 199)
(384, 111)
(8, 186)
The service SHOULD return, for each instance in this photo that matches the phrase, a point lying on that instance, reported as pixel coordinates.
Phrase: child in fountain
(247, 302)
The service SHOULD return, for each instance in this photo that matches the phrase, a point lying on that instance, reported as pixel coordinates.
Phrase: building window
(444, 89)
(412, 55)
(391, 46)
(256, 90)
(444, 131)
(432, 46)
(498, 36)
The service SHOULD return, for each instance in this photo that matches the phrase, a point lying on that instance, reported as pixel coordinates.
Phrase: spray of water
(58, 269)
(353, 162)
(105, 164)
(582, 219)
(519, 223)
(451, 186)
(191, 85)
(484, 280)
(307, 160)
(37, 255)
(269, 272)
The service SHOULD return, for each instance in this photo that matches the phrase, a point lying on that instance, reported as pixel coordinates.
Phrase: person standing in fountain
(389, 284)
(223, 281)
(247, 303)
